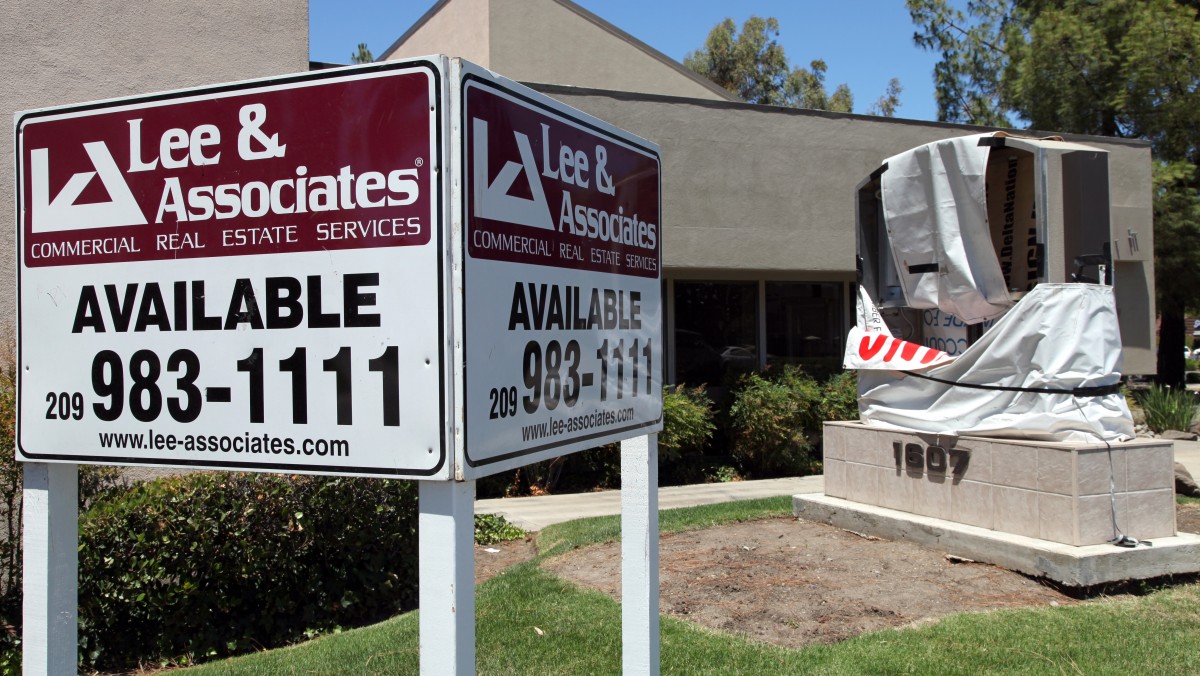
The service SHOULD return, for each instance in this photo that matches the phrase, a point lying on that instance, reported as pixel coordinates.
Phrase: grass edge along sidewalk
(530, 622)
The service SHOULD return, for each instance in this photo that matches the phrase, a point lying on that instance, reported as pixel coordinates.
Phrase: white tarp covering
(1058, 339)
(936, 216)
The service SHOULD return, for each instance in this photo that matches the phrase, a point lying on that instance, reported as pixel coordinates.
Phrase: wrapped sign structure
(966, 245)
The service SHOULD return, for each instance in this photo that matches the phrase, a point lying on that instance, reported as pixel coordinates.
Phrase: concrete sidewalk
(535, 513)
(1187, 453)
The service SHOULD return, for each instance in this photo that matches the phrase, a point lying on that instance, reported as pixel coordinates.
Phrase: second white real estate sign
(562, 258)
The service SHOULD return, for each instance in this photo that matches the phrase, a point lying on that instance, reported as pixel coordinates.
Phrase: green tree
(886, 105)
(752, 65)
(968, 77)
(362, 54)
(1125, 68)
(1176, 261)
(805, 88)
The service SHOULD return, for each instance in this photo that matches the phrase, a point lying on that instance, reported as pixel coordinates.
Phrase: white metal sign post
(563, 351)
(50, 573)
(639, 555)
(413, 270)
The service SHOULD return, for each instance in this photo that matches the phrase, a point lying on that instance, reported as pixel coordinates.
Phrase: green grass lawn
(581, 631)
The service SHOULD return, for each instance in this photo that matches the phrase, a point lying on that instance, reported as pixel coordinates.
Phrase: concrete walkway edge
(535, 513)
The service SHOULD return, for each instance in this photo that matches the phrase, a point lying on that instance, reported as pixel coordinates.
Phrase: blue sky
(864, 42)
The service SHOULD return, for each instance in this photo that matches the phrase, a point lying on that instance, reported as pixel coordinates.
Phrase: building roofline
(599, 22)
(650, 51)
(552, 89)
(429, 14)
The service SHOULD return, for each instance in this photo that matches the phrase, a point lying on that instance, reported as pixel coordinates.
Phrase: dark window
(804, 322)
(715, 330)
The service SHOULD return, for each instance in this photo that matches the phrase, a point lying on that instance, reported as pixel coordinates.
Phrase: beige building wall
(553, 41)
(56, 52)
(459, 28)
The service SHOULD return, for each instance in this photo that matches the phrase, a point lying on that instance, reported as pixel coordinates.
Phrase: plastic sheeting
(936, 216)
(1061, 337)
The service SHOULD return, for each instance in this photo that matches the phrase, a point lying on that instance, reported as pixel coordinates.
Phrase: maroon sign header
(300, 166)
(544, 190)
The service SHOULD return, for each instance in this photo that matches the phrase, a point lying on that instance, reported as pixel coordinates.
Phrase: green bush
(493, 528)
(687, 422)
(776, 416)
(1167, 409)
(212, 564)
(10, 529)
(839, 398)
(10, 526)
(720, 474)
(772, 415)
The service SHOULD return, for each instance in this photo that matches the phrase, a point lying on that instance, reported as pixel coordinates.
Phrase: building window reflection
(717, 327)
(715, 331)
(804, 322)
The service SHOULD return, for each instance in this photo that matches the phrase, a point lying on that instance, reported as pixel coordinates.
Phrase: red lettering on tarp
(870, 346)
(866, 349)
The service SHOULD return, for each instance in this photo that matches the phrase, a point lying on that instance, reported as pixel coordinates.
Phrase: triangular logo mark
(64, 213)
(491, 198)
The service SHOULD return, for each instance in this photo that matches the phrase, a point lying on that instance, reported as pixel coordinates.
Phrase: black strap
(1095, 391)
(922, 268)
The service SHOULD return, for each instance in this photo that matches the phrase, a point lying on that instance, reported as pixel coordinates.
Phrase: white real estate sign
(282, 275)
(562, 256)
(246, 276)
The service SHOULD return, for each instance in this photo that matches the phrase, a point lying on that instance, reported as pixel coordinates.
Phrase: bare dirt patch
(1187, 518)
(793, 582)
(491, 560)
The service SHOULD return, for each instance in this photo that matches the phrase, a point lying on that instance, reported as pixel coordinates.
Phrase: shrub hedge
(770, 414)
(1168, 409)
(687, 422)
(839, 397)
(211, 564)
(777, 415)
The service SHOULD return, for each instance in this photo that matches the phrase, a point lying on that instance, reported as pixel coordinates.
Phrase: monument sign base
(1060, 492)
(1041, 508)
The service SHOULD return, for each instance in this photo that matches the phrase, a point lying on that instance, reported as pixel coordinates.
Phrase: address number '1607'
(933, 458)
